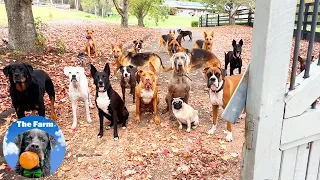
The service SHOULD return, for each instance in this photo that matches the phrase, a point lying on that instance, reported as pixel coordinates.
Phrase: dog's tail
(162, 66)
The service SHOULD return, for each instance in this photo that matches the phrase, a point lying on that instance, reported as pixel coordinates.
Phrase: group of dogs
(140, 73)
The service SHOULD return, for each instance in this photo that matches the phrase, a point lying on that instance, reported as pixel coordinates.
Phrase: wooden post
(269, 65)
(207, 15)
(218, 20)
(249, 17)
(305, 22)
(200, 21)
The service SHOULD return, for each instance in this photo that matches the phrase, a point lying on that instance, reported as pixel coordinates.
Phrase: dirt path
(146, 150)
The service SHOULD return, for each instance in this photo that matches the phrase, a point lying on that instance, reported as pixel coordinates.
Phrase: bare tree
(22, 31)
(123, 12)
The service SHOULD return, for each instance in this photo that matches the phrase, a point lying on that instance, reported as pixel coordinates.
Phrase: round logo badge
(34, 146)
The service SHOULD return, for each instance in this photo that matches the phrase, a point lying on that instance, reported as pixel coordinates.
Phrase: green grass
(172, 21)
(48, 14)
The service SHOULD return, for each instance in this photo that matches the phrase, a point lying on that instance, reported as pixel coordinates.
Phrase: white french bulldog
(78, 90)
(185, 114)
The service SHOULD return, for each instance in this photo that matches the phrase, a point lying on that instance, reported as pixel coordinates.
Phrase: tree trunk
(232, 20)
(76, 4)
(51, 1)
(22, 31)
(140, 19)
(124, 18)
(102, 12)
(61, 1)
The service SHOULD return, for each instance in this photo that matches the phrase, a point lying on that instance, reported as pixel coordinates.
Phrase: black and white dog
(185, 33)
(108, 101)
(234, 57)
(128, 80)
(39, 142)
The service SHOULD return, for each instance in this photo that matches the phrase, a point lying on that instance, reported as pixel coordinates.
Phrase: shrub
(195, 24)
(40, 27)
(60, 46)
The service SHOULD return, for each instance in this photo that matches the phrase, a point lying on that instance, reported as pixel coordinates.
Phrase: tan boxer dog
(221, 90)
(147, 92)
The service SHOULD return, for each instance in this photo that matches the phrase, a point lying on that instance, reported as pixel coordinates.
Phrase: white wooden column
(270, 55)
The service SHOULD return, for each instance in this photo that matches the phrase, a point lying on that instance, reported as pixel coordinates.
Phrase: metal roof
(185, 5)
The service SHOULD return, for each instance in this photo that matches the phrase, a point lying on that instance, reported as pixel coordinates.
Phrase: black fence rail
(244, 16)
(301, 23)
(306, 19)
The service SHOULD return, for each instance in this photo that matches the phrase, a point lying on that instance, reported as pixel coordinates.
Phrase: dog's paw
(89, 120)
(194, 127)
(108, 127)
(157, 120)
(137, 120)
(229, 136)
(74, 125)
(100, 135)
(116, 138)
(188, 130)
(124, 127)
(242, 115)
(180, 127)
(211, 131)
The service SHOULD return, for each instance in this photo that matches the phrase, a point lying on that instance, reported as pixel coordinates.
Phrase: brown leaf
(67, 168)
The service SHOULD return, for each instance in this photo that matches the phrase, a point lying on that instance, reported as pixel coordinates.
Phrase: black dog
(128, 80)
(234, 57)
(27, 88)
(185, 33)
(108, 101)
(39, 142)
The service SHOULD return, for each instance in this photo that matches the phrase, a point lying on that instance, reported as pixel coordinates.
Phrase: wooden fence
(244, 16)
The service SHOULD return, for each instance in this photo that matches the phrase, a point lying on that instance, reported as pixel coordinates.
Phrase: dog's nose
(213, 79)
(148, 79)
(35, 146)
(125, 75)
(100, 83)
(16, 74)
(180, 65)
(73, 76)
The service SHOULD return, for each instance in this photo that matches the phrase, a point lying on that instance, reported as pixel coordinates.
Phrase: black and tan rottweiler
(27, 88)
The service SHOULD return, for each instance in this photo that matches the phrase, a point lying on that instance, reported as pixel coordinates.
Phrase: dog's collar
(88, 37)
(218, 90)
(32, 173)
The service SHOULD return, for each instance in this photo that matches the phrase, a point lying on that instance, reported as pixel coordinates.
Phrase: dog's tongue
(238, 54)
(101, 88)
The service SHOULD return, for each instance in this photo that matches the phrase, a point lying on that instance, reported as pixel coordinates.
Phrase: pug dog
(185, 114)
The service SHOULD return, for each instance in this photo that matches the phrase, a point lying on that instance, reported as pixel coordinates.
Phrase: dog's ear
(241, 42)
(112, 46)
(174, 31)
(205, 70)
(120, 67)
(87, 30)
(66, 71)
(6, 70)
(29, 68)
(300, 59)
(205, 34)
(52, 141)
(141, 41)
(138, 75)
(212, 34)
(121, 46)
(135, 41)
(107, 69)
(93, 70)
(234, 43)
(169, 31)
(18, 139)
(182, 99)
(151, 67)
(172, 60)
(223, 73)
